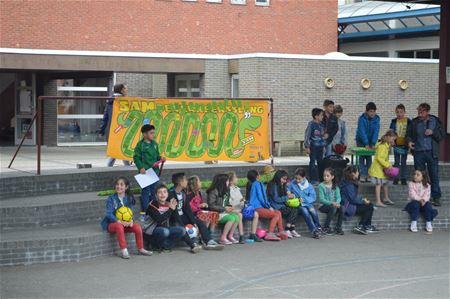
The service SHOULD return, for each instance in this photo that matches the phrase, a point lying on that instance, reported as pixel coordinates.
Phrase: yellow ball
(124, 214)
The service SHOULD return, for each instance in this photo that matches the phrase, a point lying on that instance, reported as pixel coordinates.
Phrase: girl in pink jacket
(419, 201)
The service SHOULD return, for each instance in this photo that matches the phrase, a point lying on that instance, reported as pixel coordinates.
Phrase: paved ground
(388, 265)
(68, 158)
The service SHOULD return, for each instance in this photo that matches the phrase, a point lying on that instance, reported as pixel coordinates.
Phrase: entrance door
(25, 108)
(187, 86)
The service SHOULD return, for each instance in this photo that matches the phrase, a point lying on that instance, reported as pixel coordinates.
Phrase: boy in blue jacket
(367, 136)
(315, 142)
(302, 189)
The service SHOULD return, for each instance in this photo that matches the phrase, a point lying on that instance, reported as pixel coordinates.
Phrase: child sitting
(419, 201)
(256, 195)
(355, 204)
(198, 203)
(380, 163)
(278, 196)
(123, 198)
(184, 215)
(401, 125)
(237, 201)
(219, 201)
(157, 224)
(302, 189)
(330, 198)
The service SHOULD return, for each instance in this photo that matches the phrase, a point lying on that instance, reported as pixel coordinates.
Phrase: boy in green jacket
(146, 154)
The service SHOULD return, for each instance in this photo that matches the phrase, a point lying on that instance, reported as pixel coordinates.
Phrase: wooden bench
(278, 144)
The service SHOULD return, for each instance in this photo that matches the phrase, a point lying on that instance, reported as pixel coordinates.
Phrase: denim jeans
(432, 165)
(414, 208)
(165, 237)
(400, 162)
(311, 217)
(328, 150)
(315, 163)
(364, 165)
(147, 195)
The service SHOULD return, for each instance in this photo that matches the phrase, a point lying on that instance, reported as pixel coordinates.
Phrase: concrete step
(79, 241)
(96, 179)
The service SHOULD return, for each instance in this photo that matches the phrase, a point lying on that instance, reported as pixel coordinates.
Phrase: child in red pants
(256, 195)
(123, 197)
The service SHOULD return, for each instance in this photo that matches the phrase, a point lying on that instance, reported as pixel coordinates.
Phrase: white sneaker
(288, 233)
(429, 227)
(295, 234)
(413, 226)
(124, 254)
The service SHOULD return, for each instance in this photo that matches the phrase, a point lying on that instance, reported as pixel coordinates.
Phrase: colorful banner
(193, 129)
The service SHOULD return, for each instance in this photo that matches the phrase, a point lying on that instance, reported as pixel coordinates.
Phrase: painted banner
(193, 129)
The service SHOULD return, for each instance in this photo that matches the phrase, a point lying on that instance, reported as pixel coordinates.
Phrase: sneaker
(328, 231)
(233, 240)
(124, 254)
(145, 252)
(271, 237)
(225, 242)
(413, 226)
(316, 234)
(196, 248)
(289, 234)
(429, 227)
(255, 238)
(436, 202)
(404, 183)
(370, 229)
(339, 231)
(395, 182)
(321, 232)
(359, 230)
(241, 240)
(295, 234)
(213, 245)
(283, 236)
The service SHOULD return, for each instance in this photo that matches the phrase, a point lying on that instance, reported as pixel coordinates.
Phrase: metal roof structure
(378, 19)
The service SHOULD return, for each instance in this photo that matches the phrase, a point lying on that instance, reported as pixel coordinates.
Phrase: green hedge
(242, 182)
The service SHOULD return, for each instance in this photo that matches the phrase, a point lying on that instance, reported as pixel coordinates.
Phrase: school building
(285, 50)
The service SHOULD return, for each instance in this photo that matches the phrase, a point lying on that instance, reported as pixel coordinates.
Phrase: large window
(262, 2)
(421, 54)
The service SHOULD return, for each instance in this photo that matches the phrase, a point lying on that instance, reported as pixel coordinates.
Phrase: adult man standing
(424, 138)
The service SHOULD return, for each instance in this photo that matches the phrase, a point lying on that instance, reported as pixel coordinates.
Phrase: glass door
(25, 108)
(187, 86)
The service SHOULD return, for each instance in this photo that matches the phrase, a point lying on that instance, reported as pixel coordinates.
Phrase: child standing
(219, 201)
(146, 154)
(198, 203)
(157, 225)
(341, 135)
(330, 123)
(330, 198)
(123, 198)
(237, 201)
(367, 136)
(419, 201)
(302, 189)
(256, 195)
(278, 195)
(401, 125)
(184, 215)
(380, 163)
(315, 144)
(355, 204)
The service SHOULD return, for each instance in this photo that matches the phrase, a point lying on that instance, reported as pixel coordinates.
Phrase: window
(262, 2)
(234, 86)
(214, 1)
(420, 54)
(241, 2)
(405, 54)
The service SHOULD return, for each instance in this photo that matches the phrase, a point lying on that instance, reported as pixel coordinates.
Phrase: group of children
(169, 212)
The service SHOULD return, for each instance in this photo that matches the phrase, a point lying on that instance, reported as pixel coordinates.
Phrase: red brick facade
(171, 26)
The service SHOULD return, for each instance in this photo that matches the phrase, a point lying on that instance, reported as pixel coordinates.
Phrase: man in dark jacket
(330, 122)
(424, 137)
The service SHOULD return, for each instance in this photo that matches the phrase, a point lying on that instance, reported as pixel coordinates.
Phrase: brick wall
(171, 26)
(216, 80)
(139, 85)
(296, 85)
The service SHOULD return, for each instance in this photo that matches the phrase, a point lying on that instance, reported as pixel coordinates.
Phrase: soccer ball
(191, 231)
(124, 214)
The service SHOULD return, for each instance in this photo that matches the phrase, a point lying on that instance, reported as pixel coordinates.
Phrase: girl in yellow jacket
(376, 170)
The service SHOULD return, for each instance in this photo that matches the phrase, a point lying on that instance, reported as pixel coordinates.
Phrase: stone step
(48, 210)
(76, 242)
(96, 179)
